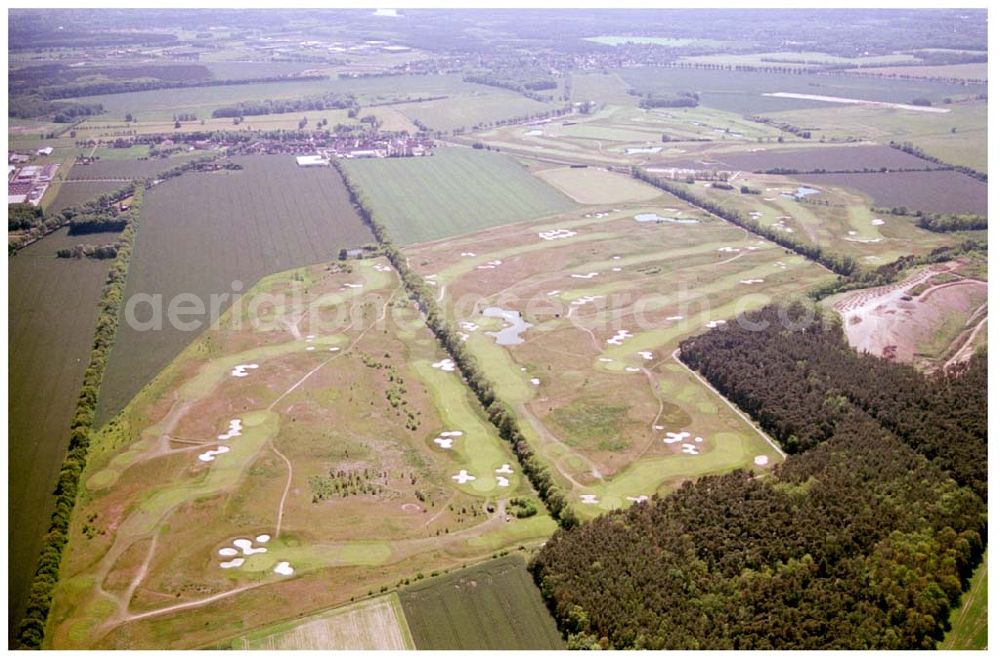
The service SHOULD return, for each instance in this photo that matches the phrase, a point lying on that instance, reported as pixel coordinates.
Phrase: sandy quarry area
(891, 322)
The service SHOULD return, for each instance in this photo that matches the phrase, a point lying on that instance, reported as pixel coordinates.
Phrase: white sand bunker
(228, 552)
(585, 276)
(334, 348)
(728, 249)
(447, 438)
(606, 360)
(353, 285)
(235, 429)
(687, 448)
(632, 369)
(760, 460)
(211, 454)
(284, 569)
(468, 254)
(616, 257)
(751, 281)
(676, 317)
(674, 436)
(637, 499)
(583, 300)
(241, 370)
(620, 337)
(230, 564)
(646, 355)
(382, 268)
(505, 469)
(310, 348)
(533, 132)
(263, 539)
(552, 235)
(446, 365)
(535, 381)
(492, 264)
(247, 547)
(648, 217)
(878, 221)
(588, 499)
(463, 476)
(715, 323)
(502, 481)
(463, 336)
(554, 292)
(410, 507)
(310, 338)
(469, 326)
(781, 265)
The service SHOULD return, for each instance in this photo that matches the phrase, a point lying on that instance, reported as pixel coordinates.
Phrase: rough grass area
(453, 192)
(969, 620)
(590, 422)
(598, 186)
(492, 606)
(374, 624)
(201, 232)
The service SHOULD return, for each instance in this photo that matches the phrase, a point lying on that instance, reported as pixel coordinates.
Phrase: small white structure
(311, 161)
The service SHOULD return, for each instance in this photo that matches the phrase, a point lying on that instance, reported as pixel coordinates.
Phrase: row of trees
(913, 150)
(79, 251)
(498, 412)
(31, 629)
(940, 222)
(73, 90)
(326, 101)
(840, 264)
(863, 540)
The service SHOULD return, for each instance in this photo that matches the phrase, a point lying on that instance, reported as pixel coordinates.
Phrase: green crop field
(453, 192)
(75, 193)
(202, 231)
(52, 312)
(491, 606)
(969, 621)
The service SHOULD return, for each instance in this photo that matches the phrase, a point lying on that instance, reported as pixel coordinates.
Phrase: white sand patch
(263, 539)
(468, 254)
(235, 429)
(247, 547)
(334, 348)
(769, 199)
(410, 507)
(588, 499)
(781, 265)
(228, 552)
(687, 448)
(492, 264)
(241, 370)
(310, 337)
(533, 132)
(445, 365)
(676, 317)
(616, 269)
(674, 436)
(310, 348)
(715, 323)
(616, 257)
(382, 268)
(637, 499)
(620, 337)
(606, 360)
(505, 469)
(728, 249)
(353, 285)
(552, 235)
(760, 460)
(648, 217)
(444, 443)
(658, 427)
(583, 300)
(751, 281)
(878, 221)
(447, 434)
(210, 455)
(851, 233)
(502, 481)
(868, 102)
(230, 564)
(646, 355)
(585, 276)
(469, 326)
(284, 569)
(632, 369)
(463, 476)
(463, 336)
(554, 292)
(698, 439)
(535, 381)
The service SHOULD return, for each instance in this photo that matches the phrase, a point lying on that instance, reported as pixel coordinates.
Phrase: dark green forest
(863, 539)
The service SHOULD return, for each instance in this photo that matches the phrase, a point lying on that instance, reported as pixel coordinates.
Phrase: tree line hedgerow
(499, 414)
(863, 539)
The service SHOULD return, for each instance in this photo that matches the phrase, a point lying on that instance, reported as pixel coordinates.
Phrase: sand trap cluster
(751, 281)
(446, 438)
(585, 276)
(245, 547)
(235, 429)
(781, 265)
(648, 217)
(637, 499)
(674, 436)
(878, 221)
(688, 448)
(283, 568)
(728, 249)
(463, 476)
(492, 264)
(505, 469)
(241, 370)
(646, 355)
(382, 268)
(467, 254)
(211, 454)
(715, 323)
(583, 300)
(445, 365)
(588, 499)
(552, 235)
(760, 460)
(620, 337)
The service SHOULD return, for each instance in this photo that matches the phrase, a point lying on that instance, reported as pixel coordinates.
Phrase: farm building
(313, 160)
(45, 151)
